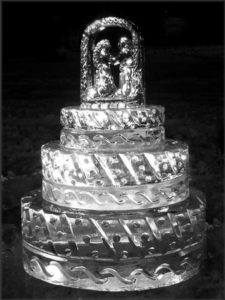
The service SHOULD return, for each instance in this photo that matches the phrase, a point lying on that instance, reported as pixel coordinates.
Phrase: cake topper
(98, 83)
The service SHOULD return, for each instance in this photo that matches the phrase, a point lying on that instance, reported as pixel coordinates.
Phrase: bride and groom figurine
(104, 85)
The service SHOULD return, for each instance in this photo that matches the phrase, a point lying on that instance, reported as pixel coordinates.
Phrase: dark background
(184, 65)
(39, 29)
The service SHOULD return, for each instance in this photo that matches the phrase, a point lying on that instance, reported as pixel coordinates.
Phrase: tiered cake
(116, 212)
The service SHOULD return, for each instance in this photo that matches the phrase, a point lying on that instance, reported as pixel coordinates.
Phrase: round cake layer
(112, 119)
(150, 196)
(89, 168)
(101, 139)
(113, 235)
(141, 274)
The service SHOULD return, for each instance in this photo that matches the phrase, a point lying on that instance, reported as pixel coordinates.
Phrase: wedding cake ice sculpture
(116, 212)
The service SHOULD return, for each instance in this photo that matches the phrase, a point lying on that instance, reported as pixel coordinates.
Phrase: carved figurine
(126, 66)
(97, 77)
(103, 79)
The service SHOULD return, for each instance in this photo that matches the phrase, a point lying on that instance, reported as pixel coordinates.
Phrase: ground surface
(187, 81)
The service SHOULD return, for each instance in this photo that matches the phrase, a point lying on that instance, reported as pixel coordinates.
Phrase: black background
(39, 28)
(184, 72)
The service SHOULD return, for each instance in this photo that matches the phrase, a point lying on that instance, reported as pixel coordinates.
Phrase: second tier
(86, 168)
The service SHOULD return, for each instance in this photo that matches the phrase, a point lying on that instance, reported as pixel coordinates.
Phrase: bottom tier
(99, 263)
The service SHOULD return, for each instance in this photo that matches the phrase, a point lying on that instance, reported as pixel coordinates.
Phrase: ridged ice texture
(111, 235)
(123, 139)
(113, 119)
(150, 196)
(140, 166)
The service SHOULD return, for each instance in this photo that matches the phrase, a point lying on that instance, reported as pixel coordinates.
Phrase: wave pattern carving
(144, 276)
(74, 139)
(134, 198)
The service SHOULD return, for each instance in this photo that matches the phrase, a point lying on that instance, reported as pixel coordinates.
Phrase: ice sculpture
(115, 212)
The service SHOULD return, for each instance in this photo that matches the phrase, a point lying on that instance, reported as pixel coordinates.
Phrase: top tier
(111, 73)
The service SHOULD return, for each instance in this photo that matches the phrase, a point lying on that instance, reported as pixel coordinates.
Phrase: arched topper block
(97, 81)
